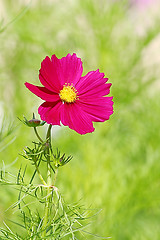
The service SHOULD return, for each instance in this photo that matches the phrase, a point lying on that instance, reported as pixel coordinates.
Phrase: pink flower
(142, 3)
(74, 100)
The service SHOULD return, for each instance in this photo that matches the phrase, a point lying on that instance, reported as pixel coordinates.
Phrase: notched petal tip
(101, 74)
(54, 58)
(45, 59)
(72, 57)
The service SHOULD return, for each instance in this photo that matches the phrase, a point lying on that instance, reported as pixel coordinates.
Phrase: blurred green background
(116, 168)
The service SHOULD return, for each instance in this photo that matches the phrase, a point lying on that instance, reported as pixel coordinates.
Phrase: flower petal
(49, 74)
(43, 92)
(98, 91)
(50, 112)
(74, 117)
(54, 72)
(93, 82)
(99, 110)
(72, 69)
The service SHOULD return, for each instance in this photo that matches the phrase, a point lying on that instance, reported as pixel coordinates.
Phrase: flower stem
(48, 136)
(49, 183)
(40, 176)
(40, 139)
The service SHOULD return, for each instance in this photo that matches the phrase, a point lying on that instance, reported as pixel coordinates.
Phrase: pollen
(68, 94)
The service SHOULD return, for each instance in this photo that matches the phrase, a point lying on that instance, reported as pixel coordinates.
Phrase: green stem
(40, 139)
(55, 176)
(48, 136)
(49, 183)
(40, 176)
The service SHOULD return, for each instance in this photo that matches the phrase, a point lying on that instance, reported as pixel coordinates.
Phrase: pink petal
(50, 112)
(49, 74)
(92, 81)
(54, 72)
(43, 93)
(71, 67)
(99, 91)
(99, 110)
(74, 117)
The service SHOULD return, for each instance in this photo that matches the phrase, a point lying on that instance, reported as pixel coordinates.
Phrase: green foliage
(53, 218)
(64, 219)
(61, 160)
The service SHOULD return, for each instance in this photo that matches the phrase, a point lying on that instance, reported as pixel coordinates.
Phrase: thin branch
(40, 139)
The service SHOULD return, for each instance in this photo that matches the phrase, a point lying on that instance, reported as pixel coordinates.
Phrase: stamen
(68, 93)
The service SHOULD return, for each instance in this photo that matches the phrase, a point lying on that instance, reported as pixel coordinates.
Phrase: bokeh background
(116, 168)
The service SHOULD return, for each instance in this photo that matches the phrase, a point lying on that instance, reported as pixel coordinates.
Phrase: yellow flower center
(68, 93)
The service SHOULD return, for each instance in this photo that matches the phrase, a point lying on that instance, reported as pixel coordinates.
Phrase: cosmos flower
(71, 99)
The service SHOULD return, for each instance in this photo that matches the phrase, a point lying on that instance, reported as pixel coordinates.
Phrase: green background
(116, 168)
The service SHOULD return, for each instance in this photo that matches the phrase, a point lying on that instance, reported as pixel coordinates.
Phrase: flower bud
(33, 122)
